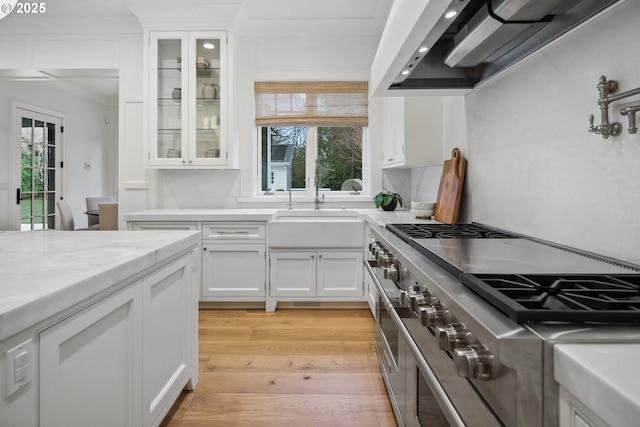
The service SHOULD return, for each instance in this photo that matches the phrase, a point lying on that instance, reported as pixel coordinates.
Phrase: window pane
(51, 133)
(339, 157)
(283, 157)
(27, 179)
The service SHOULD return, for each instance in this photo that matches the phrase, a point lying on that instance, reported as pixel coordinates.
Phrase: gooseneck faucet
(317, 201)
(290, 204)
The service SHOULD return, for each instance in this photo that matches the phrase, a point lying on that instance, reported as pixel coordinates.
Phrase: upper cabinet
(186, 99)
(412, 131)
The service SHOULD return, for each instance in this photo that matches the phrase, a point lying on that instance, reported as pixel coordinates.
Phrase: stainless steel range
(468, 315)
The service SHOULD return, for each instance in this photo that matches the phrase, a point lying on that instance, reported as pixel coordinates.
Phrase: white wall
(262, 59)
(533, 167)
(86, 138)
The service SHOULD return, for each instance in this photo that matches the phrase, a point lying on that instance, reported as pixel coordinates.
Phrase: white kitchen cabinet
(234, 261)
(186, 99)
(123, 360)
(303, 274)
(574, 413)
(91, 364)
(168, 303)
(412, 131)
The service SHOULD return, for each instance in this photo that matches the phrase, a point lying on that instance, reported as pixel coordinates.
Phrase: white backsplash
(532, 166)
(180, 189)
(425, 182)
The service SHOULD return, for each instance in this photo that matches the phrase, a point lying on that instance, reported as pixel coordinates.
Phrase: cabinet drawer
(233, 230)
(160, 225)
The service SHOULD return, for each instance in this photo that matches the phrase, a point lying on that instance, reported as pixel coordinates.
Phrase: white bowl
(423, 205)
(422, 213)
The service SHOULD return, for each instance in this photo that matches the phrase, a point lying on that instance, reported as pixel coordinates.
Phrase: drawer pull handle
(233, 232)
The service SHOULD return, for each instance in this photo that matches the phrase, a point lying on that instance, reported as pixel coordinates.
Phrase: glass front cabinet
(186, 106)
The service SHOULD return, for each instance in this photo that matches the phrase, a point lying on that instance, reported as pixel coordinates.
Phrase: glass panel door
(208, 97)
(39, 149)
(169, 90)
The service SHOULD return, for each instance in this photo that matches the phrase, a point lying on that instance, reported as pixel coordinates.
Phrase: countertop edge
(602, 377)
(50, 304)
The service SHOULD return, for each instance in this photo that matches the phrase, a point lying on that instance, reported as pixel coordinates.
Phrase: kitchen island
(96, 328)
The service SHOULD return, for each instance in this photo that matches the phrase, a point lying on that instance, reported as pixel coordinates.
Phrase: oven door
(423, 408)
(390, 346)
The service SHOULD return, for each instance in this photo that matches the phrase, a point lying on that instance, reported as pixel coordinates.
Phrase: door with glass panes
(39, 185)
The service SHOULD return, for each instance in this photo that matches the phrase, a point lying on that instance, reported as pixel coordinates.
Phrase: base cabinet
(233, 261)
(233, 272)
(168, 303)
(316, 274)
(574, 413)
(123, 360)
(90, 365)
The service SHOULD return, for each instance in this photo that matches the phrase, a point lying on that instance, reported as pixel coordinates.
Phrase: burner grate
(446, 231)
(572, 298)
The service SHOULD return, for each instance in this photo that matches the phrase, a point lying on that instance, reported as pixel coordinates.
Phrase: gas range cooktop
(446, 231)
(528, 280)
(573, 298)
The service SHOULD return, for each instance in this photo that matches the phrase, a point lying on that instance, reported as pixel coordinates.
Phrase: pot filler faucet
(317, 201)
(606, 128)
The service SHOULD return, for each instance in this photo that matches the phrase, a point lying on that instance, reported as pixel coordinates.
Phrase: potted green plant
(387, 200)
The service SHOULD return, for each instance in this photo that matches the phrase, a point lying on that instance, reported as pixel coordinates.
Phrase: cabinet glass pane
(169, 98)
(207, 98)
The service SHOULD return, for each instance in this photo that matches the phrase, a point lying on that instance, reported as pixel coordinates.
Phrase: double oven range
(467, 316)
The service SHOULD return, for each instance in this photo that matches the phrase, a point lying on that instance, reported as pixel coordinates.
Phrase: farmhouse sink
(316, 214)
(307, 228)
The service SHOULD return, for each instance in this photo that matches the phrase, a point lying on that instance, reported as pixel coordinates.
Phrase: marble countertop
(47, 272)
(377, 216)
(604, 377)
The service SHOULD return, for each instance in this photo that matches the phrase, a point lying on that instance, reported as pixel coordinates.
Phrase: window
(289, 154)
(309, 129)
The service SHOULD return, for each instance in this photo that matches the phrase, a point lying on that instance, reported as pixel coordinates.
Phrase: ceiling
(246, 17)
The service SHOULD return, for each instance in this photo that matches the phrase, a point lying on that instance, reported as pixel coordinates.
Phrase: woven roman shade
(312, 103)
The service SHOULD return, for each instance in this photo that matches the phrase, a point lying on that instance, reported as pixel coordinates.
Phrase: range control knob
(391, 272)
(405, 298)
(385, 258)
(475, 361)
(375, 248)
(451, 337)
(419, 299)
(433, 315)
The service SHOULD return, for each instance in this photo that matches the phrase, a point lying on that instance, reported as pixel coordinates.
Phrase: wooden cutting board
(450, 191)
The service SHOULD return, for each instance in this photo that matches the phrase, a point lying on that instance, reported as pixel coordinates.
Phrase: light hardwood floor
(292, 367)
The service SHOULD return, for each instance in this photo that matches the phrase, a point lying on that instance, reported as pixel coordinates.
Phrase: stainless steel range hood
(484, 38)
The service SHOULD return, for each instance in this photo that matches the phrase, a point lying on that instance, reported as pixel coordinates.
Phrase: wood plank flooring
(292, 367)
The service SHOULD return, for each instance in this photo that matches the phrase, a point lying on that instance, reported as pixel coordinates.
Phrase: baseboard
(251, 305)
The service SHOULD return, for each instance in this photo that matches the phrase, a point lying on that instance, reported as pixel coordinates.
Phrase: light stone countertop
(44, 273)
(604, 377)
(263, 214)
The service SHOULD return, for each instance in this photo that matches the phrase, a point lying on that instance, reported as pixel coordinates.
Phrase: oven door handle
(376, 281)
